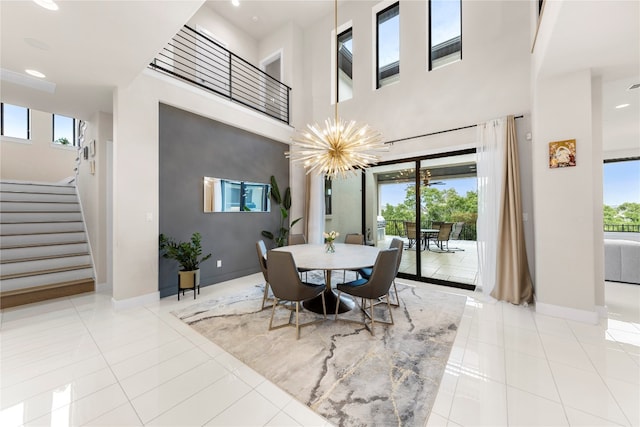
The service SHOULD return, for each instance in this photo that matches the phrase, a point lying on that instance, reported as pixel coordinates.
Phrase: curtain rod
(438, 132)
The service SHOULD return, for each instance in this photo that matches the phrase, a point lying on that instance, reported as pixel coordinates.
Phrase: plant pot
(188, 280)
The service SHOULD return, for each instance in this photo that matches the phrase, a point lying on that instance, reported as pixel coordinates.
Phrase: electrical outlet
(219, 263)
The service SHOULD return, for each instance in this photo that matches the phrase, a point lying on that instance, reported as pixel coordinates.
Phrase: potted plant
(189, 256)
(280, 237)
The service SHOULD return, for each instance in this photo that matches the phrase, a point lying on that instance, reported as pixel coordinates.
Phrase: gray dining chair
(261, 249)
(365, 273)
(286, 285)
(371, 290)
(352, 239)
(299, 239)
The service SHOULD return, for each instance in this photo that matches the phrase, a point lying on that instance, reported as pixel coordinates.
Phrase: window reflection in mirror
(227, 195)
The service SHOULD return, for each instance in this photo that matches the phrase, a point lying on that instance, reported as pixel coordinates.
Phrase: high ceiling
(260, 18)
(87, 48)
(604, 37)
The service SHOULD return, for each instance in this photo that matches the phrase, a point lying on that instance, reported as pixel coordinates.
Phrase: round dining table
(345, 257)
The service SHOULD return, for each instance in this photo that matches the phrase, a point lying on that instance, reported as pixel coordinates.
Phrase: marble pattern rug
(337, 368)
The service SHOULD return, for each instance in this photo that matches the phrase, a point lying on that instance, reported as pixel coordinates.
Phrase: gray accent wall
(192, 147)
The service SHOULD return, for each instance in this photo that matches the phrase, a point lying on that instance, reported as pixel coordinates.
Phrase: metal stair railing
(198, 60)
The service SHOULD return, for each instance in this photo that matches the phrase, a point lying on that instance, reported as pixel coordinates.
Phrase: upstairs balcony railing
(197, 59)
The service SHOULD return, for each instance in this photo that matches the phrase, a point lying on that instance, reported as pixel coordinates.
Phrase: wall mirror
(228, 195)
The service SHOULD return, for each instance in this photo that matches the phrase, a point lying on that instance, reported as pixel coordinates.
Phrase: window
(345, 65)
(327, 196)
(64, 130)
(621, 195)
(15, 121)
(388, 46)
(445, 32)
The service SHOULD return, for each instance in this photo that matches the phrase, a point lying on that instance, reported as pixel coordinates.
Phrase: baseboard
(135, 301)
(567, 313)
(603, 311)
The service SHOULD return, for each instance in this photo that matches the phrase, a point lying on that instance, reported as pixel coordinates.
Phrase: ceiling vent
(635, 86)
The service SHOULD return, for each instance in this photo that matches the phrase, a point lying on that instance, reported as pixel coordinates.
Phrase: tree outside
(437, 205)
(625, 214)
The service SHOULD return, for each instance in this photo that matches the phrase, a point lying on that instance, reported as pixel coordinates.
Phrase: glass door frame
(417, 161)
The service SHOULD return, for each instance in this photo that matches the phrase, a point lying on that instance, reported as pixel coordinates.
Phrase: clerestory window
(345, 65)
(388, 45)
(445, 32)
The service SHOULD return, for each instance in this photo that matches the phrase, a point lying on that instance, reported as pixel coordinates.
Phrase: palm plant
(280, 237)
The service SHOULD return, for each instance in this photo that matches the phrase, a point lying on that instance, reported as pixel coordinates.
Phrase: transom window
(345, 65)
(15, 121)
(64, 130)
(388, 45)
(445, 32)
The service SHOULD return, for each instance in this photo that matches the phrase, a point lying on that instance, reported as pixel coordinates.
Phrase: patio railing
(395, 227)
(623, 228)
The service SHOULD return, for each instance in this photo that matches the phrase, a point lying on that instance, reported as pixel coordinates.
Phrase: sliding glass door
(449, 209)
(390, 207)
(431, 204)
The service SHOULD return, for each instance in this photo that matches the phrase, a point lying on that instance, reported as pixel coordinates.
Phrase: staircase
(44, 252)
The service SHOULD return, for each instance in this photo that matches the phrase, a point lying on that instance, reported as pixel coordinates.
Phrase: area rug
(338, 368)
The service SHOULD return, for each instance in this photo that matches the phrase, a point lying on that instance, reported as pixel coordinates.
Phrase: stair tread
(42, 258)
(35, 245)
(48, 271)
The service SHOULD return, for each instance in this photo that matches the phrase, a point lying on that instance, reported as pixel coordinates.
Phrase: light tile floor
(459, 265)
(76, 361)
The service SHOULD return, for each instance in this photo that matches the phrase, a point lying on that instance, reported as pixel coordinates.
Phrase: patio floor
(460, 266)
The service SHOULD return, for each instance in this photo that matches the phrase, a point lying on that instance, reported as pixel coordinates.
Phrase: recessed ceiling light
(236, 3)
(35, 73)
(622, 106)
(47, 4)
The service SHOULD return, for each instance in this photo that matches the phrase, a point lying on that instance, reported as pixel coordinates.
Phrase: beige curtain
(513, 281)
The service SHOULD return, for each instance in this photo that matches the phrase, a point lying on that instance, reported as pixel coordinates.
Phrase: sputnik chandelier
(338, 149)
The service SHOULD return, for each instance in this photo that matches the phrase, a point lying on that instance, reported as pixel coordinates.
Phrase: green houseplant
(189, 256)
(280, 236)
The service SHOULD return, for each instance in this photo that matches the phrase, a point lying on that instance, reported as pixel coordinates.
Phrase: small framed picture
(92, 167)
(92, 148)
(85, 152)
(562, 154)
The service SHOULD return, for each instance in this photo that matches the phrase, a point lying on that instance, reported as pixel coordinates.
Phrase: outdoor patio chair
(443, 237)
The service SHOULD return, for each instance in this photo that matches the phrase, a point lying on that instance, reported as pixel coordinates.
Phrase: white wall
(37, 159)
(93, 192)
(565, 199)
(492, 80)
(135, 171)
(289, 40)
(237, 41)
